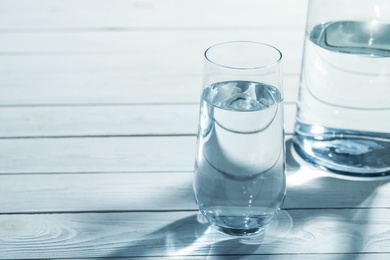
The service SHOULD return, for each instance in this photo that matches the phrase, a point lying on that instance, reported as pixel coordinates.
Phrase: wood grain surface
(99, 108)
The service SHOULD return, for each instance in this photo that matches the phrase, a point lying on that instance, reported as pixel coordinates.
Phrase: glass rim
(278, 60)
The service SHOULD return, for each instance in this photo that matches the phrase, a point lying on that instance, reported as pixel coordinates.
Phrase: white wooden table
(98, 116)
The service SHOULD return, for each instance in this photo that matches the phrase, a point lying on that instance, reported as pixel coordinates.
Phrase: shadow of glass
(192, 236)
(314, 196)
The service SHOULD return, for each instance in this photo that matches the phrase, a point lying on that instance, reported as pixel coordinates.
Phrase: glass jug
(343, 112)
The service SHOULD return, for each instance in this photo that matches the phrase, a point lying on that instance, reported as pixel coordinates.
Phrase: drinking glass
(239, 177)
(343, 118)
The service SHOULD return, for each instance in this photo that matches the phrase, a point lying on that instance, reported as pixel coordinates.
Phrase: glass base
(276, 229)
(334, 170)
(241, 232)
(240, 226)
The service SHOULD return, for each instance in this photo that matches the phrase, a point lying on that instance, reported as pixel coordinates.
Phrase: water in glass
(239, 171)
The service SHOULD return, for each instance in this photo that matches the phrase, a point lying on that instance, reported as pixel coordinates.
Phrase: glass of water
(239, 177)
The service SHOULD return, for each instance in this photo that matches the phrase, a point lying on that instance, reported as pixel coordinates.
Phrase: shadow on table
(306, 200)
(191, 236)
(349, 202)
(311, 188)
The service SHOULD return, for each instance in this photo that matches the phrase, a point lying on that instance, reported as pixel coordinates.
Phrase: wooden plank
(107, 120)
(98, 120)
(181, 234)
(165, 191)
(168, 63)
(134, 64)
(133, 14)
(143, 41)
(100, 154)
(97, 154)
(97, 88)
(96, 192)
(108, 88)
(130, 67)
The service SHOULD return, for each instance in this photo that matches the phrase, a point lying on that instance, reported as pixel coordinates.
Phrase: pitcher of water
(343, 112)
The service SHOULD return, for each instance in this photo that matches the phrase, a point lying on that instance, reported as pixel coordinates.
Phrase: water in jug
(343, 111)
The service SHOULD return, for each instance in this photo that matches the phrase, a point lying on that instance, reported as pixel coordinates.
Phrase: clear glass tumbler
(239, 177)
(343, 118)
